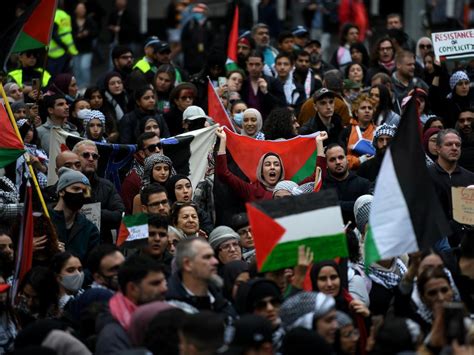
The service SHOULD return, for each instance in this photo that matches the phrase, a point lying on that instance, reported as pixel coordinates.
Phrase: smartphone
(35, 83)
(222, 81)
(454, 322)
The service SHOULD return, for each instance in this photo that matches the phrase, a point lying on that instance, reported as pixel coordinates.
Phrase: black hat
(323, 92)
(300, 31)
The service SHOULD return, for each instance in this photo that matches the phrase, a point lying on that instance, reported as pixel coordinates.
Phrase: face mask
(199, 17)
(72, 282)
(238, 118)
(74, 200)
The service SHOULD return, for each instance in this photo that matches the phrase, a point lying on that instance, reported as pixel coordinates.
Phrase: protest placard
(453, 44)
(92, 213)
(463, 205)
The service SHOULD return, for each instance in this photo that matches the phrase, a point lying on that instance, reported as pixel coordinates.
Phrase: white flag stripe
(321, 222)
(137, 232)
(201, 145)
(389, 216)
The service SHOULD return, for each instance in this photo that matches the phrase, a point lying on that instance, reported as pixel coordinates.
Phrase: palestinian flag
(11, 147)
(406, 215)
(216, 109)
(297, 154)
(133, 230)
(36, 31)
(280, 226)
(188, 151)
(231, 63)
(11, 28)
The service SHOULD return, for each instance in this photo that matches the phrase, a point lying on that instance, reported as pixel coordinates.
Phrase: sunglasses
(152, 147)
(425, 46)
(262, 304)
(184, 98)
(87, 155)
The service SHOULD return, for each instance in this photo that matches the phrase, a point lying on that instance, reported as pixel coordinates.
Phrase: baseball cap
(323, 92)
(162, 47)
(300, 31)
(150, 41)
(193, 113)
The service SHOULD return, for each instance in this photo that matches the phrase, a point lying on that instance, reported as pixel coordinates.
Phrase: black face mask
(74, 200)
(111, 282)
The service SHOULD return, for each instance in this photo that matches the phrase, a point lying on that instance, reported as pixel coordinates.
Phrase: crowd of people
(193, 286)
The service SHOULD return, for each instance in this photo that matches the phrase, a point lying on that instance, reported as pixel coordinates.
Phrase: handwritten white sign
(453, 44)
(92, 213)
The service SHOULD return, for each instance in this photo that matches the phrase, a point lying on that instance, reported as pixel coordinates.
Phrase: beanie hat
(384, 130)
(456, 77)
(68, 177)
(301, 309)
(249, 331)
(286, 185)
(220, 235)
(303, 189)
(362, 211)
(248, 294)
(239, 220)
(17, 105)
(343, 319)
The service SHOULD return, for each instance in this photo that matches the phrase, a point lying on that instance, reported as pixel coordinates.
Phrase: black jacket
(112, 206)
(370, 168)
(177, 292)
(275, 97)
(315, 124)
(348, 191)
(130, 123)
(443, 182)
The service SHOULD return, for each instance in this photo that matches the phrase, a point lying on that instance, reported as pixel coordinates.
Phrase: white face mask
(72, 282)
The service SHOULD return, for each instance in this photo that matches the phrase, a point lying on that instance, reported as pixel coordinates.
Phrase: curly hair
(279, 124)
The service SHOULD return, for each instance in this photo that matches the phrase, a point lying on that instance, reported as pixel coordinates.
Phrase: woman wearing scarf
(144, 108)
(94, 125)
(270, 171)
(459, 99)
(115, 98)
(429, 145)
(180, 189)
(252, 124)
(182, 96)
(65, 84)
(159, 169)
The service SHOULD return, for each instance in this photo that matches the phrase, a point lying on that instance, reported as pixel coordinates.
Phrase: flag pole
(27, 156)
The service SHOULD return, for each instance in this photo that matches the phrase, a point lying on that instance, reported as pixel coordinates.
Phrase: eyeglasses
(262, 304)
(158, 203)
(385, 49)
(425, 46)
(244, 231)
(87, 155)
(184, 98)
(152, 147)
(228, 247)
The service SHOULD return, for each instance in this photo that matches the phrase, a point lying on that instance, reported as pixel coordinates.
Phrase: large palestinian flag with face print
(406, 215)
(280, 226)
(188, 151)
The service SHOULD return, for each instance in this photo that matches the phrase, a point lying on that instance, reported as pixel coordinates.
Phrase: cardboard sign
(463, 205)
(92, 213)
(453, 44)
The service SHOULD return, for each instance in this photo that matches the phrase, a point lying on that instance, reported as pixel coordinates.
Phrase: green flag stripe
(307, 169)
(8, 156)
(324, 247)
(25, 42)
(135, 220)
(371, 252)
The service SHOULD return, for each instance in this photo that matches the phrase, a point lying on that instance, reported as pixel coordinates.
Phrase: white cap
(193, 113)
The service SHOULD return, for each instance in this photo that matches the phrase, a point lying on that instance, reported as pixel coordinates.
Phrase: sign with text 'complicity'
(453, 44)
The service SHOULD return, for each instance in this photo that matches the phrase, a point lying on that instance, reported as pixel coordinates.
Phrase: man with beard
(103, 263)
(318, 65)
(261, 35)
(303, 74)
(7, 252)
(102, 190)
(464, 127)
(382, 138)
(73, 228)
(141, 280)
(195, 280)
(245, 45)
(122, 61)
(348, 185)
(157, 247)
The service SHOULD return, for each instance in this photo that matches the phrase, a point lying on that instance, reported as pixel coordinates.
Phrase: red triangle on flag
(8, 137)
(39, 24)
(266, 233)
(233, 37)
(122, 234)
(216, 109)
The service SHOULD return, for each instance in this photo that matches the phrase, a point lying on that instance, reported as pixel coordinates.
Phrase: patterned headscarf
(150, 162)
(8, 191)
(384, 130)
(456, 77)
(88, 115)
